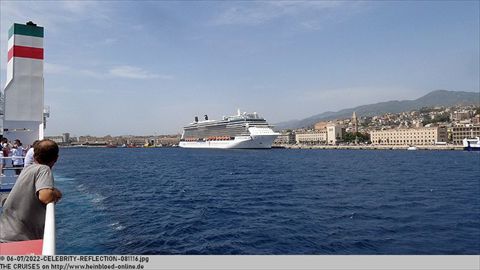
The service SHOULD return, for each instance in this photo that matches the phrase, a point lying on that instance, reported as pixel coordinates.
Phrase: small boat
(471, 144)
(412, 148)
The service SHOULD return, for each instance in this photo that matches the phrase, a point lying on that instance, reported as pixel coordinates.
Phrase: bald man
(23, 216)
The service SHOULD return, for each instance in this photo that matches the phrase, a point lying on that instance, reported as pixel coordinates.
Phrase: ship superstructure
(23, 116)
(471, 144)
(244, 130)
(23, 100)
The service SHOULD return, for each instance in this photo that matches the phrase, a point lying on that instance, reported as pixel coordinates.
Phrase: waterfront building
(168, 140)
(334, 133)
(464, 131)
(285, 138)
(311, 137)
(63, 139)
(164, 140)
(331, 134)
(409, 136)
(66, 137)
(57, 139)
(137, 140)
(89, 139)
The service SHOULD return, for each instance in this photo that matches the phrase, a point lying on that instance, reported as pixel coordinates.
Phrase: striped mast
(24, 90)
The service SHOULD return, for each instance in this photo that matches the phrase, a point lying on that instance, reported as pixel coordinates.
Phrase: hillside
(434, 98)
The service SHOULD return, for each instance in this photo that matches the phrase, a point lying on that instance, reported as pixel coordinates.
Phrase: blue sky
(148, 67)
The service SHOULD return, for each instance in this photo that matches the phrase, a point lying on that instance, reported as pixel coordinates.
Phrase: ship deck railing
(49, 247)
(45, 246)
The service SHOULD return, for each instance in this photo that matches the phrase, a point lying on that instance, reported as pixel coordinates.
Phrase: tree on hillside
(438, 118)
(352, 136)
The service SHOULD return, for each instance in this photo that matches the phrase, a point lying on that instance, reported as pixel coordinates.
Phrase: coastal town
(428, 127)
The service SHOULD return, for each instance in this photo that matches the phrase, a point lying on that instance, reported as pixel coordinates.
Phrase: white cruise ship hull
(240, 142)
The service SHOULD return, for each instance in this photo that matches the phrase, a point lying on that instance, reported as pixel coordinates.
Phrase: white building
(311, 137)
(409, 136)
(285, 138)
(330, 134)
(334, 134)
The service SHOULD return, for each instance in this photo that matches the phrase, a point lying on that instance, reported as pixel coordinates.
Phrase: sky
(148, 67)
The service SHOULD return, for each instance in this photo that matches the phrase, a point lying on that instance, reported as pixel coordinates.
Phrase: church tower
(355, 122)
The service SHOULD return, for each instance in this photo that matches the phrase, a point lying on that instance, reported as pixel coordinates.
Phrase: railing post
(49, 231)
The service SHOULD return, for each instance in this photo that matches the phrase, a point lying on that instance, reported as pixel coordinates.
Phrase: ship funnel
(196, 119)
(23, 95)
(206, 117)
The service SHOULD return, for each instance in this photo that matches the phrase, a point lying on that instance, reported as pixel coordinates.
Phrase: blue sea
(278, 201)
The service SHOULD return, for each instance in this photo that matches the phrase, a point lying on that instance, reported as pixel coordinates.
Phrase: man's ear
(53, 162)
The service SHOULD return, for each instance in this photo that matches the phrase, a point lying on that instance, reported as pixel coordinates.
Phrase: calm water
(188, 201)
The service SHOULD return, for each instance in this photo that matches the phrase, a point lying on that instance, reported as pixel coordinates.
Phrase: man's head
(33, 144)
(46, 152)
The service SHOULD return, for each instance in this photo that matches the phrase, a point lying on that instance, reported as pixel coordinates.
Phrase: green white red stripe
(25, 52)
(25, 41)
(25, 30)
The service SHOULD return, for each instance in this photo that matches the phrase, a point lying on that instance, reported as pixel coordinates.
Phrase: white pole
(49, 231)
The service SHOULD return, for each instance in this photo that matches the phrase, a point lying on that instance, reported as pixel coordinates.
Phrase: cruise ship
(242, 131)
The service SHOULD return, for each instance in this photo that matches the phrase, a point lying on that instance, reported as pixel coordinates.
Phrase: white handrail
(49, 231)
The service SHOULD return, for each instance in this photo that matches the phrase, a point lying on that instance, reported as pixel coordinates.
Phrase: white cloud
(306, 14)
(90, 73)
(109, 41)
(123, 71)
(132, 72)
(79, 7)
(59, 69)
(50, 68)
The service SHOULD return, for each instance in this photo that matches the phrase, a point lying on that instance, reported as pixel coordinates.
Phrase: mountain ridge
(434, 98)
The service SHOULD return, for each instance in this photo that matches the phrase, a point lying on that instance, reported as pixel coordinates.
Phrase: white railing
(49, 231)
(12, 157)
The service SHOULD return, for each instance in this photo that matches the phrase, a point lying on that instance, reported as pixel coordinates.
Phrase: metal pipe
(49, 231)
